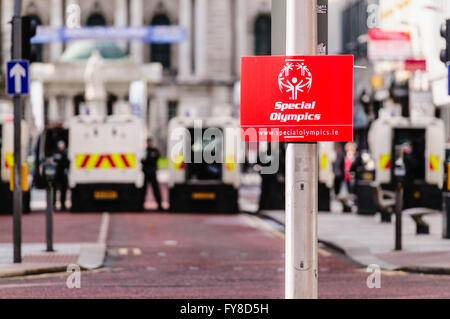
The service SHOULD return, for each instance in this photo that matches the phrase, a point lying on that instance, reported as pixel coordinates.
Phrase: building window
(263, 35)
(161, 52)
(77, 101)
(172, 110)
(96, 19)
(36, 49)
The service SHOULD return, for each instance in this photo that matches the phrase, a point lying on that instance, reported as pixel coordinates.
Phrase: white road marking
(104, 226)
(137, 251)
(264, 226)
(323, 252)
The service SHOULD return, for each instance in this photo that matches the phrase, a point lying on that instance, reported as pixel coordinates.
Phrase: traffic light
(445, 33)
(28, 31)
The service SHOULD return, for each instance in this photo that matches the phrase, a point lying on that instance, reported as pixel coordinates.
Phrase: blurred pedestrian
(338, 168)
(62, 170)
(149, 164)
(411, 168)
(350, 152)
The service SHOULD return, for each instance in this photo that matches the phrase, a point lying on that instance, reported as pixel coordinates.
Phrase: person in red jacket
(350, 152)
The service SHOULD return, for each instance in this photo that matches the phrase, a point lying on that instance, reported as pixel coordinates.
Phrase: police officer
(62, 169)
(149, 164)
(338, 168)
(411, 168)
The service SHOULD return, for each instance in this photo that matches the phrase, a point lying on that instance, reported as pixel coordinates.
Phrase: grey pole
(301, 274)
(322, 27)
(49, 218)
(398, 216)
(446, 203)
(17, 192)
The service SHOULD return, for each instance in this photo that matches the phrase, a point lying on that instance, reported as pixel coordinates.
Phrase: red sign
(386, 45)
(297, 98)
(415, 65)
(385, 35)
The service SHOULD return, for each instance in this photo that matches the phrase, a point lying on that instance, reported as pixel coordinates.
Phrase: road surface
(162, 255)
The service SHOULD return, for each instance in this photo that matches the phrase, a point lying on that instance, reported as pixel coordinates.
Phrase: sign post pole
(49, 218)
(17, 192)
(294, 99)
(301, 273)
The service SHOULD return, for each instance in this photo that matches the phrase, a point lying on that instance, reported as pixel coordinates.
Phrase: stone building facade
(199, 74)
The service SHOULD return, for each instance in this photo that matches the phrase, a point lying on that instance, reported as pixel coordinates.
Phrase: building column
(241, 33)
(53, 109)
(120, 13)
(37, 103)
(56, 21)
(157, 122)
(120, 18)
(185, 48)
(200, 38)
(73, 14)
(6, 17)
(137, 20)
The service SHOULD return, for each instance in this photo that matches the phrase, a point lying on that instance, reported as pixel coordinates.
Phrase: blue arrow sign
(17, 77)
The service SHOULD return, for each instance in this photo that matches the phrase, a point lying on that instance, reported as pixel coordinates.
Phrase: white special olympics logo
(295, 77)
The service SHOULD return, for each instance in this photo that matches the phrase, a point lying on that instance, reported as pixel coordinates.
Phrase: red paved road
(68, 227)
(207, 256)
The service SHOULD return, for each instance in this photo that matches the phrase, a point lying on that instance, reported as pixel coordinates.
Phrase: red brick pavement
(67, 227)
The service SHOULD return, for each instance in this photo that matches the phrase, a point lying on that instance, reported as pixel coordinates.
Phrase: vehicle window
(201, 145)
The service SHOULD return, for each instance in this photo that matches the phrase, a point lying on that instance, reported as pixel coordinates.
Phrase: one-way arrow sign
(17, 73)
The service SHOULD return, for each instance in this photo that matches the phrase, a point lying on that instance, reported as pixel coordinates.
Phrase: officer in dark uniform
(62, 170)
(411, 169)
(338, 168)
(149, 164)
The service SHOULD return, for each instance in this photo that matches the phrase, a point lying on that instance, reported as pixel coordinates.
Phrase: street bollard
(398, 216)
(446, 200)
(399, 174)
(49, 219)
(50, 172)
(446, 216)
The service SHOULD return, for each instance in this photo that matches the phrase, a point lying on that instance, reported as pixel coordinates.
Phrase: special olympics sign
(297, 99)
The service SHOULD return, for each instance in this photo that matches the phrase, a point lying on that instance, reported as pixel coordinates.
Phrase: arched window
(263, 35)
(160, 52)
(36, 49)
(96, 19)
